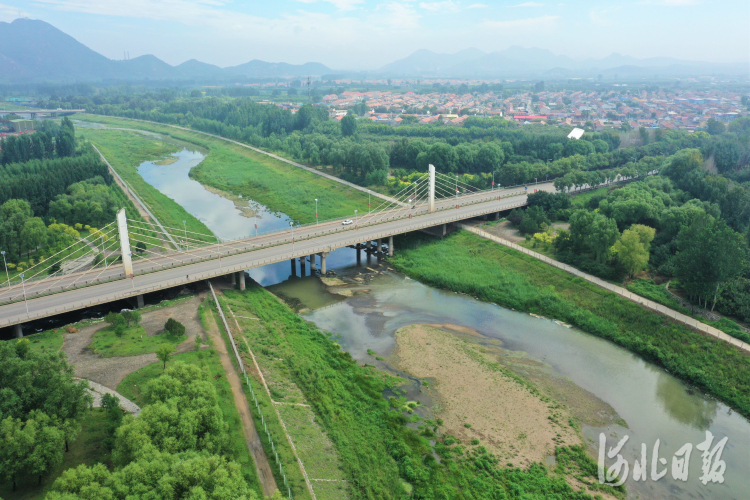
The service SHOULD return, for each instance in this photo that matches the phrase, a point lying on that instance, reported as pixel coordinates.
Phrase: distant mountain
(196, 69)
(426, 61)
(35, 51)
(518, 62)
(262, 69)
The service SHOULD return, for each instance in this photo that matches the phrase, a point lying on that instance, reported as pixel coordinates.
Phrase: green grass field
(495, 273)
(131, 386)
(88, 449)
(134, 341)
(50, 341)
(125, 151)
(277, 185)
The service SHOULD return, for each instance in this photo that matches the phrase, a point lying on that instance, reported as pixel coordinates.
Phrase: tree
(174, 327)
(33, 446)
(164, 476)
(348, 126)
(592, 232)
(182, 414)
(40, 381)
(710, 254)
(164, 352)
(135, 317)
(714, 126)
(140, 247)
(119, 330)
(115, 319)
(489, 158)
(632, 247)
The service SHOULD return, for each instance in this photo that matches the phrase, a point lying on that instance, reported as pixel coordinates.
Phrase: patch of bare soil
(516, 424)
(109, 372)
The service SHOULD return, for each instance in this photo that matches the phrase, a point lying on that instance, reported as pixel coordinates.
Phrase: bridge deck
(76, 291)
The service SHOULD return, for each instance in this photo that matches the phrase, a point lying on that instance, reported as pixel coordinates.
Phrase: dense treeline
(41, 407)
(56, 142)
(40, 181)
(687, 224)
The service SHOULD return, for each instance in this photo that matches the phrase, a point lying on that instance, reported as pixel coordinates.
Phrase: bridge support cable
(180, 232)
(155, 240)
(76, 277)
(50, 284)
(417, 191)
(35, 280)
(398, 198)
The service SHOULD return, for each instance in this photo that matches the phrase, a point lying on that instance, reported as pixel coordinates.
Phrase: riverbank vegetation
(125, 150)
(240, 171)
(466, 263)
(684, 224)
(382, 457)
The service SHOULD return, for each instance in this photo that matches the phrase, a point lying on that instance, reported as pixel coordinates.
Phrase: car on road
(347, 222)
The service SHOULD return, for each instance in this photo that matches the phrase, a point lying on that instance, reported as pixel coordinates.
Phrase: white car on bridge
(347, 222)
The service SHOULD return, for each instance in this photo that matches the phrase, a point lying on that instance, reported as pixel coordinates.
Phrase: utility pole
(308, 88)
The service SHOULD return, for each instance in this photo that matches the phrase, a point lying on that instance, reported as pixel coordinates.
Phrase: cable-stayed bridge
(128, 258)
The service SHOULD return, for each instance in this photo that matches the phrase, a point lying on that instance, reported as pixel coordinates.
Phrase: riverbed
(610, 390)
(649, 404)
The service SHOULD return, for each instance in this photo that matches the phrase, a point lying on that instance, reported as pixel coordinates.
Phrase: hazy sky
(364, 34)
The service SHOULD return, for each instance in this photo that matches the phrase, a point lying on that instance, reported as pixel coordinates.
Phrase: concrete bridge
(33, 112)
(33, 300)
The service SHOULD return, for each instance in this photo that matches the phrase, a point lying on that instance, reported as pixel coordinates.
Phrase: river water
(653, 404)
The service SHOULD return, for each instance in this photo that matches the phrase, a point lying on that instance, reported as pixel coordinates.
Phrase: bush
(174, 327)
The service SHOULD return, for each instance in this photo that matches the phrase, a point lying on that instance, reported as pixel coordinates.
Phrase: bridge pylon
(122, 227)
(432, 188)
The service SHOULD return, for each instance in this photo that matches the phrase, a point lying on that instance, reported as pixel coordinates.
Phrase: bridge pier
(359, 255)
(497, 215)
(302, 272)
(18, 331)
(234, 279)
(312, 264)
(139, 301)
(294, 267)
(241, 275)
(380, 248)
(390, 246)
(323, 256)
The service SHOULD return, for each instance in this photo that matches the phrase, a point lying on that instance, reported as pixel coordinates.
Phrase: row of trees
(43, 145)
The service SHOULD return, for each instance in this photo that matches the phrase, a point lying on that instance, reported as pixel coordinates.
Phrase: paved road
(97, 286)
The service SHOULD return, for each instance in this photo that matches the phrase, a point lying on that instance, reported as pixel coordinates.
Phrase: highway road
(97, 286)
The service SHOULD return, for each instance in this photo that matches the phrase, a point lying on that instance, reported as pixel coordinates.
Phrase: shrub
(174, 327)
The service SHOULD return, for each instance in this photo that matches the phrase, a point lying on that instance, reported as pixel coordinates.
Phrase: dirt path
(109, 372)
(262, 467)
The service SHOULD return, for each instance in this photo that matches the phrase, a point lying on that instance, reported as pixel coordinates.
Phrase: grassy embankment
(380, 457)
(131, 386)
(466, 263)
(88, 449)
(313, 448)
(277, 185)
(125, 151)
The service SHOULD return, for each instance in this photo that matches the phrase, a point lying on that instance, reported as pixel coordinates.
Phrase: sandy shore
(512, 420)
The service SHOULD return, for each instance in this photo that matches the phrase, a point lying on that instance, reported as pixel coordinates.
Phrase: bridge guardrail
(226, 270)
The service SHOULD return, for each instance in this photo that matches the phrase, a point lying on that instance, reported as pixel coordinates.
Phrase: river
(653, 404)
